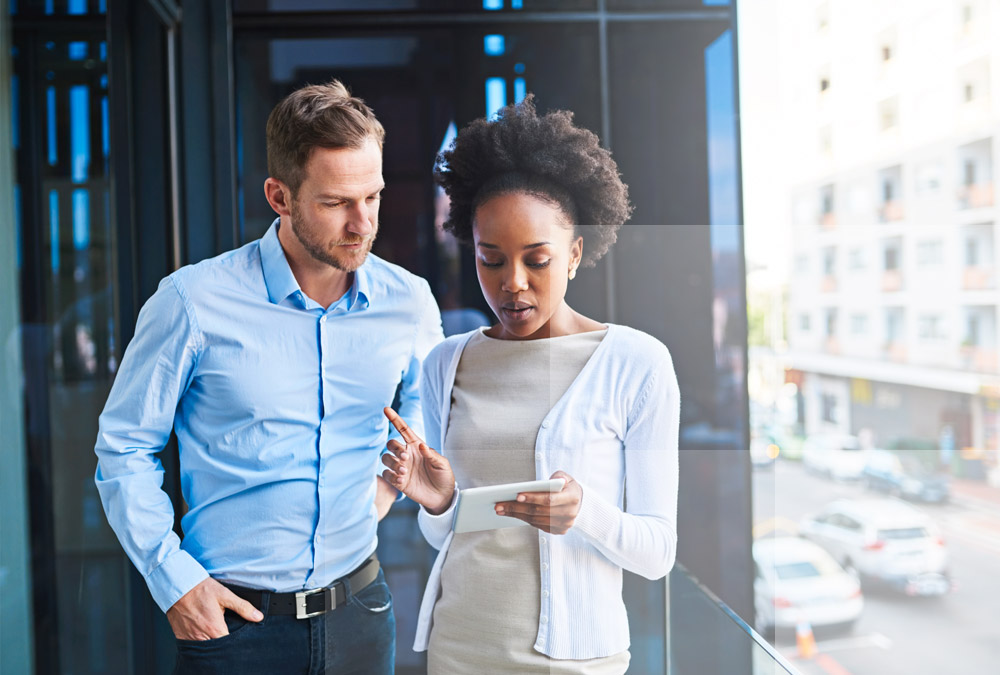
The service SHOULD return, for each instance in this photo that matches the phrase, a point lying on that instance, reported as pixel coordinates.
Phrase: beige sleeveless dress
(486, 618)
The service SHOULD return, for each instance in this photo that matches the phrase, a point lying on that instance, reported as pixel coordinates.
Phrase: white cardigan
(615, 432)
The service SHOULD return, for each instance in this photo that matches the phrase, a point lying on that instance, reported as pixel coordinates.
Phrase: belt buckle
(300, 603)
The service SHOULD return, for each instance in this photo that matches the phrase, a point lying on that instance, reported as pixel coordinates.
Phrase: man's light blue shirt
(277, 405)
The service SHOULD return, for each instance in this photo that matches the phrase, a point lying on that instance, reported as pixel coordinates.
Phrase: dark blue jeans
(357, 637)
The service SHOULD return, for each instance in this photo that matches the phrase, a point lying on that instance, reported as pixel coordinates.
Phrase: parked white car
(838, 456)
(886, 541)
(796, 581)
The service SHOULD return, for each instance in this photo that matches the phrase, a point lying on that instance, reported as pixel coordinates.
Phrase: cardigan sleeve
(642, 539)
(434, 528)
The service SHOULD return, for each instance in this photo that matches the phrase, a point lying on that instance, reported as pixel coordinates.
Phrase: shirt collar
(281, 283)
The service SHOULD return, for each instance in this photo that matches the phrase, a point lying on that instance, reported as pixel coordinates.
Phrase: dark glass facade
(138, 133)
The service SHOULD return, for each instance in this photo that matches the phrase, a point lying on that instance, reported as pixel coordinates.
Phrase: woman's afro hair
(542, 155)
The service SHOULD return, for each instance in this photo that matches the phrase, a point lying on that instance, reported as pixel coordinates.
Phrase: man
(273, 363)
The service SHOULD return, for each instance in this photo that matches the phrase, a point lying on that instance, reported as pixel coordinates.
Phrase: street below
(956, 633)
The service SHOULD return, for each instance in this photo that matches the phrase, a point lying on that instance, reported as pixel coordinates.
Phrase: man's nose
(359, 221)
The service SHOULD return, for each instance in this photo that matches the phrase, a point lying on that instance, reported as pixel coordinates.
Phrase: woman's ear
(575, 255)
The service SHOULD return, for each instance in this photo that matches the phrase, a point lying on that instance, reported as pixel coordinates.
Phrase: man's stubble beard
(324, 255)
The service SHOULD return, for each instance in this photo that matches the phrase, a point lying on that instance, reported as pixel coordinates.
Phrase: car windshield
(798, 570)
(903, 533)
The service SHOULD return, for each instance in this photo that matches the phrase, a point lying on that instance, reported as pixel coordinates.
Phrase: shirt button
(538, 455)
(545, 566)
(543, 541)
(545, 594)
(544, 619)
(545, 424)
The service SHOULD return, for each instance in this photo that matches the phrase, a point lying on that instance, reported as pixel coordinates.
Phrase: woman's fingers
(404, 430)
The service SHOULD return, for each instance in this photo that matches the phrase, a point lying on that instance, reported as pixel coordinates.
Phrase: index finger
(405, 431)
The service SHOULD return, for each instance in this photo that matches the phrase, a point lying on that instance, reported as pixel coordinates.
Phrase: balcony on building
(890, 182)
(975, 160)
(892, 274)
(828, 284)
(827, 215)
(979, 268)
(894, 347)
(978, 351)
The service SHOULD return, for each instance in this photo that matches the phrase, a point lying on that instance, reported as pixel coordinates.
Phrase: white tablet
(475, 509)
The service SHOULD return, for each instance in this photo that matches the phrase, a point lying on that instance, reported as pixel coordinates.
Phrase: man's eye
(333, 205)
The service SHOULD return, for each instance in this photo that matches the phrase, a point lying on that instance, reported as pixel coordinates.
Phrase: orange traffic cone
(804, 639)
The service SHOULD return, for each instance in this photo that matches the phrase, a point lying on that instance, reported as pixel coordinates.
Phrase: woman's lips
(517, 311)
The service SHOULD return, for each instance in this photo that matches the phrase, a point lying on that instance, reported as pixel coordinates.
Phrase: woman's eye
(489, 263)
(539, 265)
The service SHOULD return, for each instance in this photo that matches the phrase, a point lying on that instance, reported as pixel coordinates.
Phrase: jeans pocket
(235, 623)
(374, 598)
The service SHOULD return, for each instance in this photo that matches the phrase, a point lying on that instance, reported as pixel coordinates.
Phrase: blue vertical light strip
(516, 4)
(105, 132)
(49, 8)
(15, 112)
(79, 132)
(54, 229)
(492, 5)
(520, 89)
(102, 6)
(494, 45)
(103, 50)
(496, 95)
(81, 219)
(50, 113)
(723, 174)
(717, 2)
(76, 7)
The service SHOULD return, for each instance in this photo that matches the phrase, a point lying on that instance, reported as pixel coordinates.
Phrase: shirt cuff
(174, 577)
(448, 513)
(598, 518)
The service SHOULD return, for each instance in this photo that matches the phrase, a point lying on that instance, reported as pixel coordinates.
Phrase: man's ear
(279, 196)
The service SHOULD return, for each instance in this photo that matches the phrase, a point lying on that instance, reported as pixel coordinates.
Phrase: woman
(544, 392)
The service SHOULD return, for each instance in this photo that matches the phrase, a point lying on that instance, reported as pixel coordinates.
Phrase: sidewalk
(975, 493)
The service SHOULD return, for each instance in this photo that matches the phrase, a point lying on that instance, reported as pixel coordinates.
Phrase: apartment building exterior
(893, 302)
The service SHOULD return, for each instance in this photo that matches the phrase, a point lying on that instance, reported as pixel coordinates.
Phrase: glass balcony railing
(707, 638)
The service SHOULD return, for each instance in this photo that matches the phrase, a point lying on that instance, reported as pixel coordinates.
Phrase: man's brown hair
(316, 116)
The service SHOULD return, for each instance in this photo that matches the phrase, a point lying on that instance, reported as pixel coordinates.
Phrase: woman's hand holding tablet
(425, 476)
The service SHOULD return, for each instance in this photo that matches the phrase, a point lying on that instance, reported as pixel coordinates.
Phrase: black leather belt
(306, 604)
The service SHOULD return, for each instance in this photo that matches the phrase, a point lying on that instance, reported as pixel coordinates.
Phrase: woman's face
(525, 249)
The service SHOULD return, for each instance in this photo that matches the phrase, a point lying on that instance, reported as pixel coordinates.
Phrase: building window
(892, 256)
(824, 83)
(930, 252)
(856, 258)
(969, 92)
(886, 53)
(930, 327)
(972, 252)
(828, 408)
(831, 323)
(971, 331)
(829, 261)
(859, 324)
(805, 323)
(969, 172)
(801, 264)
